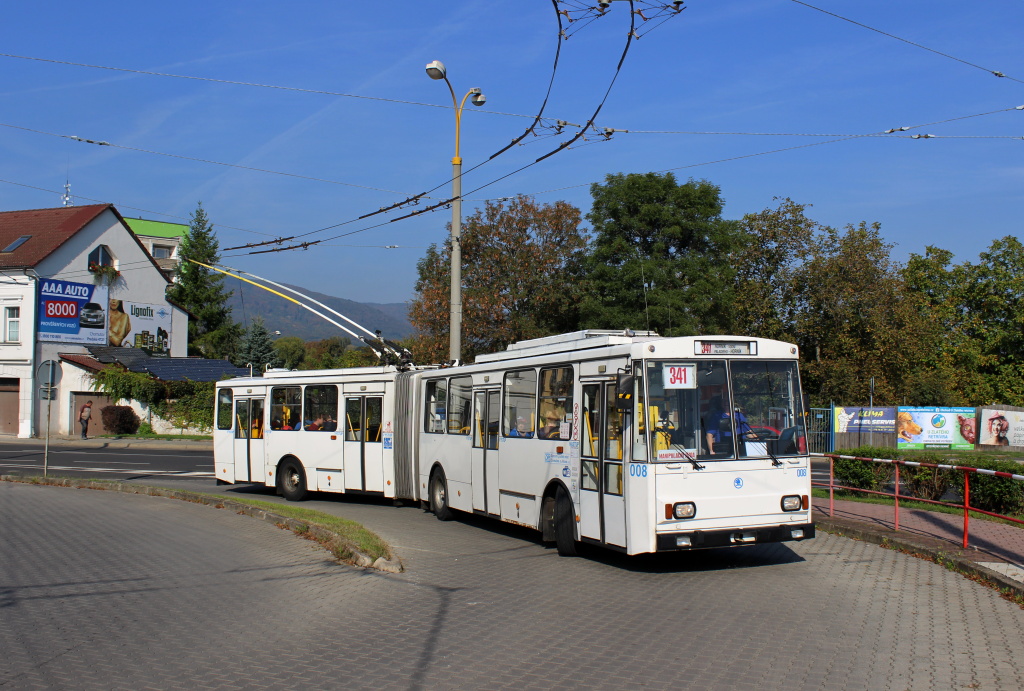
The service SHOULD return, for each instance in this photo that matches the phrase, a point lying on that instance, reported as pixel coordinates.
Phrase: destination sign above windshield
(725, 347)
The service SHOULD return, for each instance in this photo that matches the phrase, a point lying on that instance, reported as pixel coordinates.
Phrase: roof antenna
(66, 197)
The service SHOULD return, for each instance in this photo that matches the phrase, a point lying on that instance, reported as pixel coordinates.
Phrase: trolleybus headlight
(792, 502)
(685, 509)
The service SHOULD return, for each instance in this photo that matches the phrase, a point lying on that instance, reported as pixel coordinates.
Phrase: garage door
(99, 402)
(9, 389)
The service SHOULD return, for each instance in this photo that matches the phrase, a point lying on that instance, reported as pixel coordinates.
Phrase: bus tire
(565, 524)
(439, 496)
(291, 480)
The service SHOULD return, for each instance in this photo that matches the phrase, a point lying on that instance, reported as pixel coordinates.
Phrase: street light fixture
(436, 70)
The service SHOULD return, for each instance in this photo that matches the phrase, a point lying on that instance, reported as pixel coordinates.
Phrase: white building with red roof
(73, 277)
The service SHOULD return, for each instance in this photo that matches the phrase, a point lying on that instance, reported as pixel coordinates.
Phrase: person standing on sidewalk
(83, 418)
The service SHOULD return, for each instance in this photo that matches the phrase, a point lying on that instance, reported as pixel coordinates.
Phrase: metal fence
(819, 430)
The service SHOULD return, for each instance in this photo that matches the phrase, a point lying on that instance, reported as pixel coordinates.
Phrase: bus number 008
(638, 470)
(801, 472)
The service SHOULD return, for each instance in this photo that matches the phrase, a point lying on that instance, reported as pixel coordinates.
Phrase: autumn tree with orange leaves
(521, 274)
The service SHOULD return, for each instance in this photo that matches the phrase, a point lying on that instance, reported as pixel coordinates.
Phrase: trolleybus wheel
(565, 524)
(439, 496)
(291, 480)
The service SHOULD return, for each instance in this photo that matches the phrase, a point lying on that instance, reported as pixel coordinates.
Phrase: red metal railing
(966, 505)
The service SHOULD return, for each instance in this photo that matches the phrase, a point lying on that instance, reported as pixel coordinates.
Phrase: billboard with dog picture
(936, 428)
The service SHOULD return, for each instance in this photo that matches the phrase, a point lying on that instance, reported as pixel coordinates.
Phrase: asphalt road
(100, 459)
(102, 590)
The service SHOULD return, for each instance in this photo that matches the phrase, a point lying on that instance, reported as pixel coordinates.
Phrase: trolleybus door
(364, 447)
(602, 508)
(248, 451)
(485, 428)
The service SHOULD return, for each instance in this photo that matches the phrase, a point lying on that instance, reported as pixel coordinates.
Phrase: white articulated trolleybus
(631, 441)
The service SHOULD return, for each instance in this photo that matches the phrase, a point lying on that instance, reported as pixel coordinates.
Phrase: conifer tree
(212, 333)
(257, 349)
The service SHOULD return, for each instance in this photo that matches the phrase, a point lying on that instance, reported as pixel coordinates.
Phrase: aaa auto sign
(72, 312)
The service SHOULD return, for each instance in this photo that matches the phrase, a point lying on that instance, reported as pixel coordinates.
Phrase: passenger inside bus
(551, 429)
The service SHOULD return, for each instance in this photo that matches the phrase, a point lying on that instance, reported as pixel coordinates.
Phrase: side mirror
(624, 385)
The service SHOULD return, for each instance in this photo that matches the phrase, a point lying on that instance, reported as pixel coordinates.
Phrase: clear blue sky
(753, 66)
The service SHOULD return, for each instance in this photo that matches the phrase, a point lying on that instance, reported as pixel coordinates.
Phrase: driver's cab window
(688, 410)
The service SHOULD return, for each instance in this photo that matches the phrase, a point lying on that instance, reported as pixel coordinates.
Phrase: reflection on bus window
(458, 405)
(591, 439)
(242, 417)
(555, 402)
(353, 419)
(321, 409)
(688, 409)
(224, 409)
(285, 408)
(434, 406)
(767, 408)
(374, 417)
(520, 403)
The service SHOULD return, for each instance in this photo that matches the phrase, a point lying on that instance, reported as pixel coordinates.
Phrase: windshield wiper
(686, 455)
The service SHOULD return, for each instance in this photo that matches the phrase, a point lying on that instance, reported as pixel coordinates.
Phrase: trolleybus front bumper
(703, 539)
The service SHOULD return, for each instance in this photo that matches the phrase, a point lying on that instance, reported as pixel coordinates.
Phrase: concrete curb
(334, 543)
(941, 552)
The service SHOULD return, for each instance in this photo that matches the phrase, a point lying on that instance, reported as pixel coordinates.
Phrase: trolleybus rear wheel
(292, 480)
(439, 496)
(565, 524)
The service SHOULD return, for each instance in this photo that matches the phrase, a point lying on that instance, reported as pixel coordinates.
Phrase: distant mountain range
(291, 320)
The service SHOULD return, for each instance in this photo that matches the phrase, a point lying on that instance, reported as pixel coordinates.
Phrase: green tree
(211, 331)
(773, 247)
(858, 319)
(325, 354)
(521, 279)
(291, 351)
(257, 349)
(661, 256)
(987, 301)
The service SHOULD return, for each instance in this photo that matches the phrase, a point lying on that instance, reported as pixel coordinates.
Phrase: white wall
(16, 361)
(141, 281)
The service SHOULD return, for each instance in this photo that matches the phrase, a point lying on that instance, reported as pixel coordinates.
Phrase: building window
(162, 251)
(101, 256)
(12, 324)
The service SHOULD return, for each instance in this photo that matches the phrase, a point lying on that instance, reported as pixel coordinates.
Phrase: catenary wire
(996, 73)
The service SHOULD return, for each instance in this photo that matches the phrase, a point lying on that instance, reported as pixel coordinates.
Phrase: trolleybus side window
(591, 438)
(555, 402)
(321, 409)
(520, 419)
(458, 405)
(436, 393)
(224, 408)
(285, 408)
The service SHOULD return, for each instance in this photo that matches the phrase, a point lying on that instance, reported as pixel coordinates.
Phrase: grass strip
(349, 531)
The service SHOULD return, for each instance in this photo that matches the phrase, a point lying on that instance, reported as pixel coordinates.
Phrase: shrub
(995, 494)
(120, 419)
(927, 483)
(864, 474)
(145, 428)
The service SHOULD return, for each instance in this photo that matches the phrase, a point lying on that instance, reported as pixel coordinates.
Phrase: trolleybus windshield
(723, 409)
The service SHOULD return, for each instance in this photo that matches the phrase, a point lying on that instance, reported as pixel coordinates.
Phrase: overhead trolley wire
(996, 73)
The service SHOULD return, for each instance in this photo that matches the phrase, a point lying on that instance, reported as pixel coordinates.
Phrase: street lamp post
(436, 70)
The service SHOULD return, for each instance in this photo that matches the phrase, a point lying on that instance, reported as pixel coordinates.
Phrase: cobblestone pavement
(103, 590)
